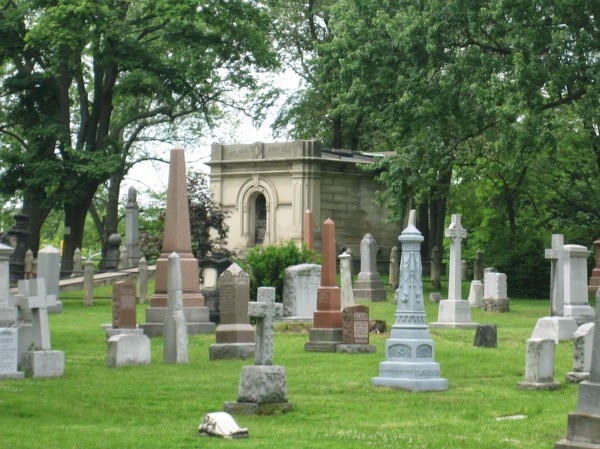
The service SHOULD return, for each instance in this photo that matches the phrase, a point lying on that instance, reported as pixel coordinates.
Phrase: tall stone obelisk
(177, 238)
(326, 333)
(409, 352)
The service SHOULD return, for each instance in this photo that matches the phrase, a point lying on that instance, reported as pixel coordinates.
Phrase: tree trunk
(75, 214)
(37, 209)
(111, 219)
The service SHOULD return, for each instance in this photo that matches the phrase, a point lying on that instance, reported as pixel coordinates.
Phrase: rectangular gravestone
(300, 290)
(124, 303)
(9, 339)
(355, 325)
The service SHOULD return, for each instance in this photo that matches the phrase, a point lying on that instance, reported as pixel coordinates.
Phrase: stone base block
(582, 313)
(410, 375)
(555, 328)
(323, 340)
(192, 314)
(16, 375)
(234, 333)
(128, 349)
(369, 290)
(260, 384)
(156, 329)
(8, 316)
(538, 385)
(250, 408)
(40, 364)
(454, 314)
(583, 432)
(238, 351)
(589, 398)
(56, 308)
(495, 304)
(355, 349)
(575, 377)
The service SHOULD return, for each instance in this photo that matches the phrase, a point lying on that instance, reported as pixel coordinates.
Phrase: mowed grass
(335, 406)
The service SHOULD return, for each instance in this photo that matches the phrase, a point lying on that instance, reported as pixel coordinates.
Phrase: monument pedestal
(197, 319)
(412, 376)
(262, 391)
(234, 341)
(454, 314)
(323, 340)
(581, 313)
(369, 287)
(583, 432)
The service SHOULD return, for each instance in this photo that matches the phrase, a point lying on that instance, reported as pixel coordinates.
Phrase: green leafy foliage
(266, 265)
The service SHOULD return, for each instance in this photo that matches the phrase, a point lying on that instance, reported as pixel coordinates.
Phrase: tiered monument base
(454, 314)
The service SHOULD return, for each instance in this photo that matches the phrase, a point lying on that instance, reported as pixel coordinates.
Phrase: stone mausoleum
(267, 188)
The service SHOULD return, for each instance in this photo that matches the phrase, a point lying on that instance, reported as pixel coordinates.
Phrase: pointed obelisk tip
(308, 211)
(177, 147)
(412, 217)
(329, 221)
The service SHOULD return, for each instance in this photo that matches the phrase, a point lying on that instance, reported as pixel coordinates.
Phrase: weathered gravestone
(355, 330)
(41, 361)
(142, 281)
(9, 354)
(539, 365)
(347, 294)
(409, 351)
(476, 293)
(210, 291)
(478, 266)
(486, 336)
(128, 349)
(124, 310)
(48, 268)
(221, 424)
(582, 353)
(8, 313)
(263, 386)
(132, 248)
(327, 321)
(575, 277)
(583, 430)
(495, 293)
(234, 334)
(300, 287)
(454, 312)
(368, 285)
(113, 252)
(175, 329)
(88, 283)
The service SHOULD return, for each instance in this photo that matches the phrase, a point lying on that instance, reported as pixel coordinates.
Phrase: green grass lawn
(335, 406)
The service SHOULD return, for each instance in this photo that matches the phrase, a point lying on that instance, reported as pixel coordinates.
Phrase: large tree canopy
(83, 80)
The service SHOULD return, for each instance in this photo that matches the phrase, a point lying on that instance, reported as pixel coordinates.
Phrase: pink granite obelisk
(308, 236)
(327, 331)
(177, 238)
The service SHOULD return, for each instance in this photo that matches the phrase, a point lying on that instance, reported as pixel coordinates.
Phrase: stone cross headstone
(394, 267)
(454, 312)
(556, 255)
(38, 302)
(263, 386)
(327, 320)
(264, 311)
(48, 268)
(347, 295)
(143, 280)
(308, 236)
(175, 348)
(584, 425)
(456, 233)
(575, 280)
(539, 366)
(132, 248)
(88, 283)
(409, 352)
(234, 334)
(368, 284)
(124, 303)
